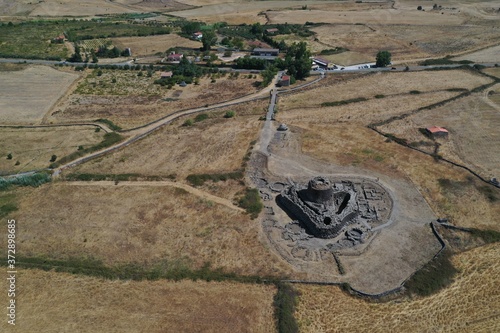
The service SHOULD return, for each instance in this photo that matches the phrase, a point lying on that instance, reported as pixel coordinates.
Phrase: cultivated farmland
(87, 304)
(27, 95)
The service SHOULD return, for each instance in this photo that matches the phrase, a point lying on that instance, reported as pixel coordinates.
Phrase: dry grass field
(34, 147)
(470, 304)
(473, 125)
(143, 223)
(488, 55)
(493, 71)
(59, 302)
(387, 95)
(142, 46)
(465, 201)
(133, 101)
(211, 146)
(26, 95)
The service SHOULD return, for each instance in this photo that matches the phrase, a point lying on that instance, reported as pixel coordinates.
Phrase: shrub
(201, 117)
(344, 102)
(34, 180)
(251, 202)
(9, 156)
(188, 122)
(53, 158)
(229, 114)
(284, 308)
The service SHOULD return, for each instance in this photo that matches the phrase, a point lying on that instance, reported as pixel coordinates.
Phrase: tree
(383, 58)
(9, 156)
(53, 158)
(419, 8)
(297, 61)
(76, 57)
(209, 38)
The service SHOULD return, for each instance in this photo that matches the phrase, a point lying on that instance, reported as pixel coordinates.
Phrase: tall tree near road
(383, 58)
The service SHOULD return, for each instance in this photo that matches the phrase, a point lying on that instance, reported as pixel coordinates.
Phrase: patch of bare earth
(87, 304)
(469, 304)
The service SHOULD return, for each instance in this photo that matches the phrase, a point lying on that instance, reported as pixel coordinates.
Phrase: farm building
(265, 52)
(166, 75)
(272, 31)
(284, 81)
(175, 57)
(324, 63)
(437, 132)
(198, 35)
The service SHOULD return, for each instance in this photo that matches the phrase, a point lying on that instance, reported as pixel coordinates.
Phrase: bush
(201, 117)
(284, 308)
(229, 114)
(33, 180)
(53, 158)
(9, 156)
(200, 179)
(344, 102)
(109, 123)
(188, 122)
(251, 202)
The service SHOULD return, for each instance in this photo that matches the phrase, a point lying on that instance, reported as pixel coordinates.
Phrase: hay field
(491, 55)
(211, 146)
(470, 304)
(142, 46)
(79, 8)
(473, 125)
(143, 223)
(25, 96)
(373, 16)
(493, 71)
(60, 302)
(34, 147)
(133, 101)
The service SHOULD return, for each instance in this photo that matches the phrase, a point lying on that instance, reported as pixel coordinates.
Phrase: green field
(33, 39)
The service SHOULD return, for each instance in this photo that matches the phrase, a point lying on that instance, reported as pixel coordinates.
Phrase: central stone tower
(323, 208)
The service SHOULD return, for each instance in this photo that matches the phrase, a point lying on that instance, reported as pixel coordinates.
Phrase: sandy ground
(25, 96)
(60, 302)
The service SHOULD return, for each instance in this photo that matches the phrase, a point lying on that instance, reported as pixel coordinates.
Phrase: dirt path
(187, 188)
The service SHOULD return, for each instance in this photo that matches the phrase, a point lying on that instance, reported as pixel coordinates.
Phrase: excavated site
(339, 224)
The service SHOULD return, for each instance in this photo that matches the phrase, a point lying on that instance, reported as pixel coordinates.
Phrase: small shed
(166, 75)
(272, 31)
(175, 57)
(284, 81)
(437, 132)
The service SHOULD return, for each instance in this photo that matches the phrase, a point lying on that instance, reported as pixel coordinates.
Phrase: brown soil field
(85, 304)
(470, 304)
(34, 147)
(143, 223)
(78, 8)
(133, 101)
(142, 46)
(212, 146)
(26, 95)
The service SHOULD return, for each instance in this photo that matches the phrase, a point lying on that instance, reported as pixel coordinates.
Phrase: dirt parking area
(27, 95)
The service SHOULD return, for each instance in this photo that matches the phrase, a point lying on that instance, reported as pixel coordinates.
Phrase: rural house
(272, 31)
(175, 57)
(198, 35)
(437, 132)
(284, 81)
(265, 52)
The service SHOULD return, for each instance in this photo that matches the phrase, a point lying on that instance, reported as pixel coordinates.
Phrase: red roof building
(437, 131)
(175, 57)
